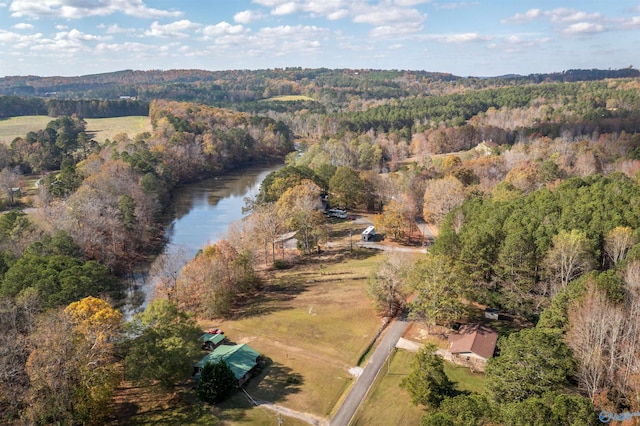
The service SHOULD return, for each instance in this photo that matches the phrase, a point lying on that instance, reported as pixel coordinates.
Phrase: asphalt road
(359, 390)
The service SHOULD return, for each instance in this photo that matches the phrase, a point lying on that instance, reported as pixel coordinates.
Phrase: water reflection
(200, 213)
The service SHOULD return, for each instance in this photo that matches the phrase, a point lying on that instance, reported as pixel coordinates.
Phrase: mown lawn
(313, 322)
(463, 377)
(388, 404)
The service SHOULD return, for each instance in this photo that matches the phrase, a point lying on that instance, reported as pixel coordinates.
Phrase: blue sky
(480, 38)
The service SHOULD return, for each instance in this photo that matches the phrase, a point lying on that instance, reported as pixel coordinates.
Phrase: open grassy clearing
(99, 129)
(465, 380)
(313, 321)
(102, 129)
(289, 98)
(388, 404)
(150, 406)
(14, 127)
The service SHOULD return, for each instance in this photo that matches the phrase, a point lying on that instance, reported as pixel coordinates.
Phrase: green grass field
(313, 321)
(102, 129)
(11, 128)
(388, 404)
(99, 129)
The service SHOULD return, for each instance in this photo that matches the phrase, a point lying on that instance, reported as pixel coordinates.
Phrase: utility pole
(350, 241)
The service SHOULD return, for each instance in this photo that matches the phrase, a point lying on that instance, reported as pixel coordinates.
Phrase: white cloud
(458, 38)
(76, 35)
(584, 28)
(23, 26)
(247, 17)
(128, 48)
(61, 27)
(627, 24)
(288, 8)
(410, 3)
(18, 41)
(76, 9)
(222, 28)
(175, 29)
(522, 18)
(384, 16)
(450, 6)
(565, 15)
(330, 9)
(117, 29)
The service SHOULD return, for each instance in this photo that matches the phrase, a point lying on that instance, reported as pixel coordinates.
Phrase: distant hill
(320, 89)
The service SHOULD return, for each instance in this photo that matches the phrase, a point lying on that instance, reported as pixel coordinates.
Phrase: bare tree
(617, 242)
(9, 182)
(440, 197)
(593, 335)
(388, 287)
(164, 272)
(568, 258)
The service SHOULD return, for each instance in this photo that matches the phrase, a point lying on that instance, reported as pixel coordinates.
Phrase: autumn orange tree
(71, 369)
(394, 220)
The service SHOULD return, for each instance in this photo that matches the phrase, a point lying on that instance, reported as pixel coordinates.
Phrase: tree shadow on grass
(274, 382)
(272, 298)
(152, 406)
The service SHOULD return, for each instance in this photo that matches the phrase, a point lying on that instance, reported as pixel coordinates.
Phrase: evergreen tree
(427, 383)
(216, 383)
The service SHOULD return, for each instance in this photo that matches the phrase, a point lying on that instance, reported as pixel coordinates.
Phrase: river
(199, 214)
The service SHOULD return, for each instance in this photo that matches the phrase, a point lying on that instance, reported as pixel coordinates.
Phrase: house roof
(477, 339)
(213, 338)
(240, 358)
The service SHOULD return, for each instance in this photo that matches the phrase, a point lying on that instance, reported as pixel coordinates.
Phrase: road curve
(363, 383)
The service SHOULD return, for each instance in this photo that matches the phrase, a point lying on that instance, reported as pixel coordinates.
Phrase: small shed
(491, 313)
(211, 341)
(241, 359)
(368, 233)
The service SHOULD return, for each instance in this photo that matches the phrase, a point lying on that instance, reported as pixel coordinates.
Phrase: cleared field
(102, 129)
(289, 98)
(99, 129)
(313, 322)
(11, 128)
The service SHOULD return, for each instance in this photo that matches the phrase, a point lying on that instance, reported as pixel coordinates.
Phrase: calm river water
(200, 213)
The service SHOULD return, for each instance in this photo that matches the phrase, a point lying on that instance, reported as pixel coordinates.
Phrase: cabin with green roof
(241, 359)
(211, 341)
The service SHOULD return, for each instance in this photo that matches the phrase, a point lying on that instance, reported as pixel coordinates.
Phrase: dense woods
(532, 182)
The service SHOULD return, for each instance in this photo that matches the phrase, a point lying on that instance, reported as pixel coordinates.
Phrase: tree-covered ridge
(566, 103)
(224, 87)
(510, 248)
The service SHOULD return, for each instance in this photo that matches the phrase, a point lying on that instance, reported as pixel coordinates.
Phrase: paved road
(371, 369)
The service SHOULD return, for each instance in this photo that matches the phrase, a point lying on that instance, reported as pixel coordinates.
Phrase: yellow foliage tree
(95, 319)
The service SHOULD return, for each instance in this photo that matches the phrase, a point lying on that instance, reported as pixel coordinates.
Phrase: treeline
(570, 101)
(335, 88)
(15, 106)
(96, 109)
